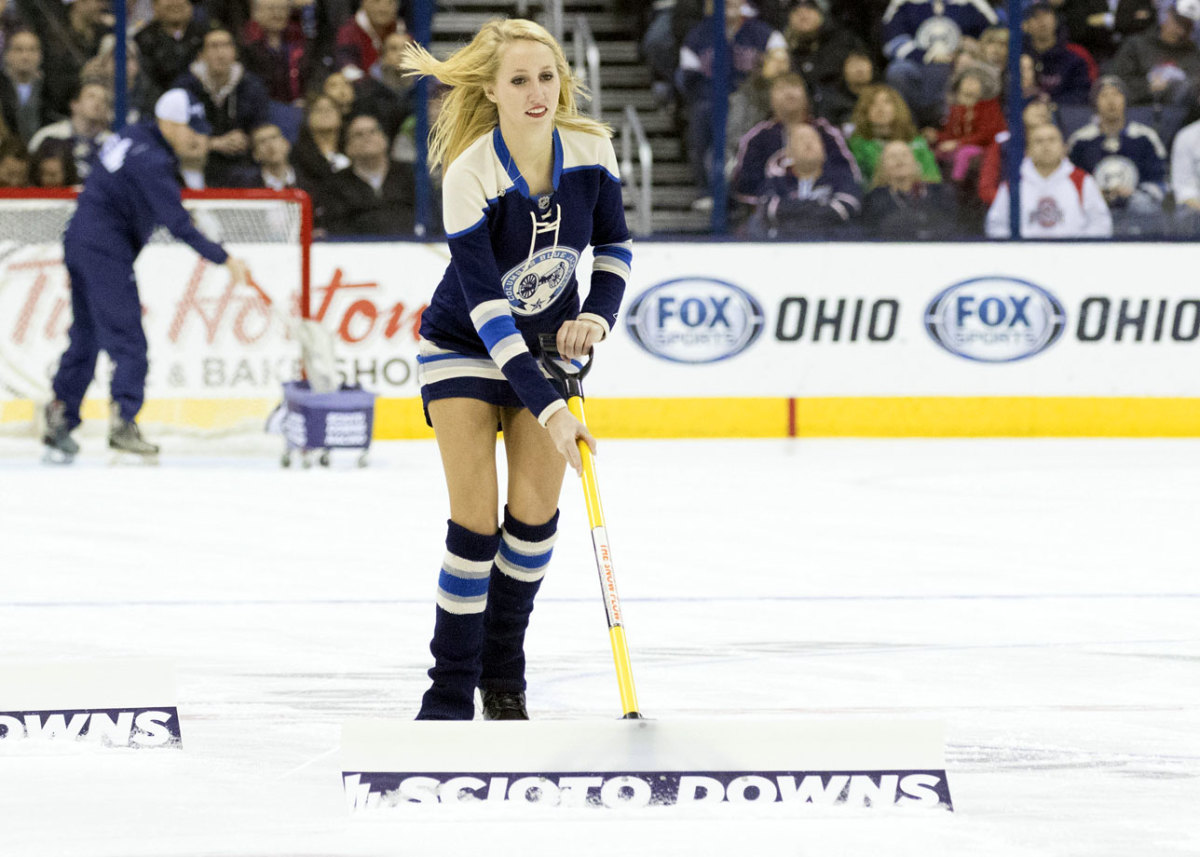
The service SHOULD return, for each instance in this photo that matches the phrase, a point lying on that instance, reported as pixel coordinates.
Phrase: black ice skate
(61, 448)
(124, 436)
(504, 705)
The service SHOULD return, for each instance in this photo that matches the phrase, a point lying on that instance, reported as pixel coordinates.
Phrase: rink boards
(715, 339)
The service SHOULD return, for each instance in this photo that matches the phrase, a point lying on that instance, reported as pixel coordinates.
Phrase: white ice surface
(1040, 597)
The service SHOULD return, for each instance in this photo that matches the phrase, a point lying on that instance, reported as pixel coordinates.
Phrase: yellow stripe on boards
(995, 416)
(766, 417)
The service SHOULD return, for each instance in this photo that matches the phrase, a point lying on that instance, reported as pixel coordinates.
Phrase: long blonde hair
(466, 112)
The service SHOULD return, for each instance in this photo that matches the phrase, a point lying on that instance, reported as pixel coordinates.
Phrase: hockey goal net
(218, 355)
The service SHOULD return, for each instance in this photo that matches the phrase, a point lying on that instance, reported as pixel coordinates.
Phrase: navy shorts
(447, 374)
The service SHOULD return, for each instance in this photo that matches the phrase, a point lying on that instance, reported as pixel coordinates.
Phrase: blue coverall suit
(132, 189)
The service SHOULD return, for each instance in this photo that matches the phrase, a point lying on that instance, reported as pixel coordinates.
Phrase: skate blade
(124, 458)
(57, 457)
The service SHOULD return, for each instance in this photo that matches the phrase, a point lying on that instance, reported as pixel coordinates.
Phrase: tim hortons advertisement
(209, 339)
(698, 320)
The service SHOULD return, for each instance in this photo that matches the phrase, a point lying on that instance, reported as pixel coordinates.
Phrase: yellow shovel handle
(604, 566)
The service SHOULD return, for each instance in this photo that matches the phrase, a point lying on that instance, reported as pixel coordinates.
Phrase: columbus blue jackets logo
(1116, 173)
(536, 283)
(938, 33)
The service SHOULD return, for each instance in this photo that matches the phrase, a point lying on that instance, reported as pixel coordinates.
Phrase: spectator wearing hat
(975, 119)
(749, 39)
(766, 142)
(133, 190)
(235, 102)
(818, 47)
(1185, 179)
(1058, 199)
(1099, 26)
(920, 40)
(1127, 159)
(1061, 73)
(1162, 66)
(801, 199)
(85, 130)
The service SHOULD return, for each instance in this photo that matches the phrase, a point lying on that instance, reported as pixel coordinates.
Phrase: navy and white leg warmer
(517, 575)
(462, 597)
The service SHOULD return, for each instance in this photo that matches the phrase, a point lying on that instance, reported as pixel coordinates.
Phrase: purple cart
(320, 422)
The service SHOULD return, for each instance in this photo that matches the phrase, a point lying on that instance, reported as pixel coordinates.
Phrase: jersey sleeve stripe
(613, 266)
(497, 329)
(508, 348)
(488, 310)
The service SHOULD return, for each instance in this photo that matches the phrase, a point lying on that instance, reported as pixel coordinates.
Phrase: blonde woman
(881, 116)
(528, 184)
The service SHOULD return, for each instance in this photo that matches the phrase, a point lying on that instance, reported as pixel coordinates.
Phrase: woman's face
(969, 91)
(882, 112)
(857, 71)
(324, 116)
(339, 89)
(527, 87)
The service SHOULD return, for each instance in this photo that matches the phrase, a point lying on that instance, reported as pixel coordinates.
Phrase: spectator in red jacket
(975, 119)
(275, 49)
(360, 40)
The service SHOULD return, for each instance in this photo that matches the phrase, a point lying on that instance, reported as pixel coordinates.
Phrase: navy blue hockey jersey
(132, 189)
(513, 256)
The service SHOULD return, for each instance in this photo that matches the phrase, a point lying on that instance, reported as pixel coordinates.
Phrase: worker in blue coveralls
(133, 189)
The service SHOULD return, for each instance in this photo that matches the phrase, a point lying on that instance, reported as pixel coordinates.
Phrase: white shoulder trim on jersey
(982, 6)
(895, 5)
(1137, 129)
(1088, 132)
(582, 149)
(473, 181)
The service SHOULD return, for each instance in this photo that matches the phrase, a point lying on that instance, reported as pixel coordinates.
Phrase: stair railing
(587, 60)
(640, 180)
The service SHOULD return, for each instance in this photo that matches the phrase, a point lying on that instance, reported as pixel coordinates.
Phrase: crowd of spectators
(299, 93)
(903, 101)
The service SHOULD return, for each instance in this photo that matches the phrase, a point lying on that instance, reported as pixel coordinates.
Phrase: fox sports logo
(995, 319)
(695, 320)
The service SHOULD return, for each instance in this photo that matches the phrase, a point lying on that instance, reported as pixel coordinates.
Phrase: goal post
(218, 357)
